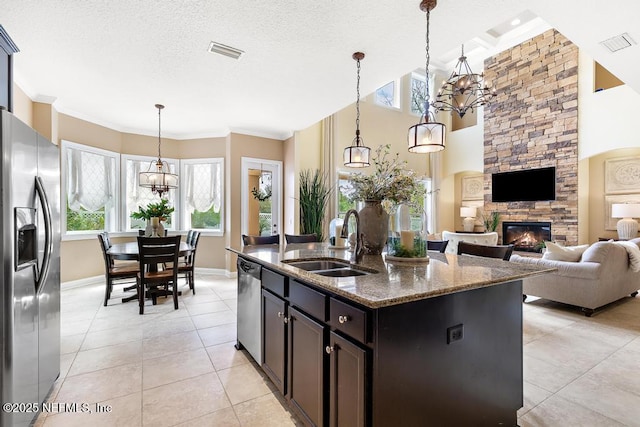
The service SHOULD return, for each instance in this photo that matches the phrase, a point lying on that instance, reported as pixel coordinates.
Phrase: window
(202, 183)
(93, 180)
(343, 201)
(89, 189)
(389, 95)
(136, 196)
(418, 89)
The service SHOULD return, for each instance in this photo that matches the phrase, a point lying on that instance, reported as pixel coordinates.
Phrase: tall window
(343, 202)
(202, 186)
(136, 196)
(89, 189)
(389, 95)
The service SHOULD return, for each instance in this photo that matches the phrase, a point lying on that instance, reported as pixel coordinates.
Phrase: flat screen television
(524, 185)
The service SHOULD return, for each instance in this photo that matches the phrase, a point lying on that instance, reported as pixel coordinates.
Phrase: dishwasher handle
(250, 268)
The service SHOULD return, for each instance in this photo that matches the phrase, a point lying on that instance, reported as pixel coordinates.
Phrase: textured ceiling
(110, 61)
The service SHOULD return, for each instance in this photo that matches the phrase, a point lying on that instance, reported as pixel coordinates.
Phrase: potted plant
(314, 196)
(491, 221)
(154, 214)
(390, 185)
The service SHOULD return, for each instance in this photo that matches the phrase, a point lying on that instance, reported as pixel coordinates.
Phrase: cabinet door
(274, 350)
(347, 382)
(307, 367)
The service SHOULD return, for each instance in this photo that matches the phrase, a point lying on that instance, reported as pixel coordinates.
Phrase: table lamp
(627, 226)
(469, 215)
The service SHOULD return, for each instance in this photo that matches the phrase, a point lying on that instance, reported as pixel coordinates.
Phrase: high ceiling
(109, 62)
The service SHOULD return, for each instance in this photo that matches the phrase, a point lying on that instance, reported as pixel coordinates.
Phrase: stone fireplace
(526, 236)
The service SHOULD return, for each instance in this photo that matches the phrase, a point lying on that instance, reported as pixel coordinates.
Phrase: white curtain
(202, 187)
(90, 180)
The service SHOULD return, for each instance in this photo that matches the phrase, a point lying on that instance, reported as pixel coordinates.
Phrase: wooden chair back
(261, 240)
(437, 245)
(300, 238)
(153, 251)
(499, 251)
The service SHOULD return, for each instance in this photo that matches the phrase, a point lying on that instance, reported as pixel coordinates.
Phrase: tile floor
(179, 367)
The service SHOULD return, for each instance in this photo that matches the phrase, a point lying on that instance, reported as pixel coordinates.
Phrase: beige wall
(212, 253)
(597, 192)
(22, 105)
(240, 146)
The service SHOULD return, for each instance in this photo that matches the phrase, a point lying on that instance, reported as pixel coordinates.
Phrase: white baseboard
(95, 280)
(82, 282)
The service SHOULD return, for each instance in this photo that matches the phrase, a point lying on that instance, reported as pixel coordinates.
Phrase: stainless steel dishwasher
(249, 308)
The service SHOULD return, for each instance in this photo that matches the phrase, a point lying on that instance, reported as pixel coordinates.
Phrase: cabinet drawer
(308, 300)
(348, 319)
(275, 282)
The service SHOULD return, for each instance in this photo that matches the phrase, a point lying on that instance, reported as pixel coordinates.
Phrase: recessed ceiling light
(231, 52)
(515, 22)
(618, 42)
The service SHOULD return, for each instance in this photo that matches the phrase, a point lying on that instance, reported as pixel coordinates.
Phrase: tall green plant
(314, 196)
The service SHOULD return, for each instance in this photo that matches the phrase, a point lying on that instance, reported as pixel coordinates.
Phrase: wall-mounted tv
(524, 185)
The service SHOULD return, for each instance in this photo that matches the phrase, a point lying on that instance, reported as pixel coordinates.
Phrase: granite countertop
(396, 282)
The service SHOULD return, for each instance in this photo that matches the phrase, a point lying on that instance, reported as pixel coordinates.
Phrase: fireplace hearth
(526, 236)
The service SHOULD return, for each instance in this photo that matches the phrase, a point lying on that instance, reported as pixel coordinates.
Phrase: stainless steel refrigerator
(30, 269)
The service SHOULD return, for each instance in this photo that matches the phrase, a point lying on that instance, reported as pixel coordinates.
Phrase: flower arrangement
(390, 181)
(161, 210)
(491, 221)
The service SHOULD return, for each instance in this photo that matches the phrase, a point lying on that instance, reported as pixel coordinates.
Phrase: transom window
(389, 95)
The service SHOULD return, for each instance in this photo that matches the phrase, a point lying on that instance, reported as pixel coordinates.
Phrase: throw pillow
(556, 252)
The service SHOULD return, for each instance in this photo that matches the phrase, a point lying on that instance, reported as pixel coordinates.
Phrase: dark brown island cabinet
(451, 360)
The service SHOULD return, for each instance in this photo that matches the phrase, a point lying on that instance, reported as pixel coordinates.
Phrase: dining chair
(113, 272)
(154, 251)
(437, 245)
(499, 251)
(187, 265)
(261, 240)
(300, 238)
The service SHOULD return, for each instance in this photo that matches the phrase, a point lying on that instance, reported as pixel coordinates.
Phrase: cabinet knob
(280, 314)
(343, 319)
(285, 320)
(329, 349)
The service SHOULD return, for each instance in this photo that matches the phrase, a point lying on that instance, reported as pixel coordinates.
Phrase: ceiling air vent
(231, 52)
(618, 42)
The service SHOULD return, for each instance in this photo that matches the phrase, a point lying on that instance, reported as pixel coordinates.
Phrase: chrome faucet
(359, 249)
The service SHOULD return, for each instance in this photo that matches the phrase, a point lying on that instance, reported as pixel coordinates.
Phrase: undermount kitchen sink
(329, 268)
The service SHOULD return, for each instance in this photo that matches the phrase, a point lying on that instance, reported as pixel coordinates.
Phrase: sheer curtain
(90, 180)
(202, 187)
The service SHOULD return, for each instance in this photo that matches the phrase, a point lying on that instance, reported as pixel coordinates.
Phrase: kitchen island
(402, 344)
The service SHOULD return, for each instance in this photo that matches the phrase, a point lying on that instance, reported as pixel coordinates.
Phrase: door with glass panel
(261, 189)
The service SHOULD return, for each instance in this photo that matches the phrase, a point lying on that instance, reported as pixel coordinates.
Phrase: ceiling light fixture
(231, 52)
(159, 177)
(357, 155)
(515, 22)
(464, 90)
(427, 136)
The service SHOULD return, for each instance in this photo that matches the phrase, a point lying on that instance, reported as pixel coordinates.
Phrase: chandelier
(427, 136)
(357, 155)
(159, 177)
(464, 90)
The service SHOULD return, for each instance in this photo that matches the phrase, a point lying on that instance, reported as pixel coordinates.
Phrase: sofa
(606, 272)
(490, 238)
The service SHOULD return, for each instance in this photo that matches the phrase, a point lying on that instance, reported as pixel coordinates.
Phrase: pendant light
(357, 155)
(427, 136)
(159, 177)
(464, 90)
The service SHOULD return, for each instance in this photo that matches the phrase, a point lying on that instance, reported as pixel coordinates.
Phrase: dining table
(129, 251)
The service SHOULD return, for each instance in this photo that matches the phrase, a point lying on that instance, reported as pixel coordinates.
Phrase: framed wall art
(473, 187)
(622, 175)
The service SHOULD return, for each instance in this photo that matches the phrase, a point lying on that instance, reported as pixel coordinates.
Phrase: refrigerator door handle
(48, 233)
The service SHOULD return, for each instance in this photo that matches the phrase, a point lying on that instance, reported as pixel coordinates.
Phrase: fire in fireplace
(526, 236)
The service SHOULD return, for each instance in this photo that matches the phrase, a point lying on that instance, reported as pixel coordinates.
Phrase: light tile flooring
(179, 367)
